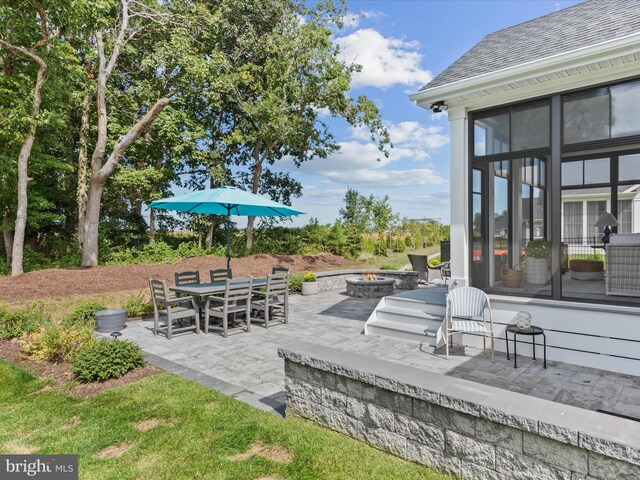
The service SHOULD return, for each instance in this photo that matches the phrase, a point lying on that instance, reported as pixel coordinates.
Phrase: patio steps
(414, 316)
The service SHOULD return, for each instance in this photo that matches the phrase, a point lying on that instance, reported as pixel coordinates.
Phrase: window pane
(530, 126)
(594, 209)
(477, 181)
(572, 222)
(596, 171)
(538, 213)
(572, 173)
(586, 116)
(494, 137)
(624, 216)
(629, 167)
(625, 105)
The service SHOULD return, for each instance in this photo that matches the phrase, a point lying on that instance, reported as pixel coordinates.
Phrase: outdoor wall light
(438, 106)
(606, 220)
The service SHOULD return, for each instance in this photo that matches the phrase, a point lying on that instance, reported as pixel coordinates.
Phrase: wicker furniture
(623, 265)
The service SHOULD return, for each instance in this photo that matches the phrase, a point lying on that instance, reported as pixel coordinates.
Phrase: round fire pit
(370, 286)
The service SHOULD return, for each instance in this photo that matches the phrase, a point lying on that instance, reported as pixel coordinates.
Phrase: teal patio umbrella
(226, 201)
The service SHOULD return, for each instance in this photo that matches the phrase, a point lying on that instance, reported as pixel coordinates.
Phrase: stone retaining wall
(335, 279)
(470, 430)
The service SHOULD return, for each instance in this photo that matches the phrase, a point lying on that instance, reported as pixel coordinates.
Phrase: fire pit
(370, 285)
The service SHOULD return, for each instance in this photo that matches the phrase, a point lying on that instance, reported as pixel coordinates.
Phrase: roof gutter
(572, 59)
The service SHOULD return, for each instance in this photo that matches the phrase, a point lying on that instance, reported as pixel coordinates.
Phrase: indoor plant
(538, 260)
(310, 284)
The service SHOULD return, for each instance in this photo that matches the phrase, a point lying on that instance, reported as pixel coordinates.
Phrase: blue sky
(401, 45)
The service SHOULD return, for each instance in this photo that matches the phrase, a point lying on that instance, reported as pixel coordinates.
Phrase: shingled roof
(587, 23)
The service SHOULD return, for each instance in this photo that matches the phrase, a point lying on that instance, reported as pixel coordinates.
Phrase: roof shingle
(587, 23)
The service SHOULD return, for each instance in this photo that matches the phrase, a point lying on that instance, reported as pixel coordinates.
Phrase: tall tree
(287, 72)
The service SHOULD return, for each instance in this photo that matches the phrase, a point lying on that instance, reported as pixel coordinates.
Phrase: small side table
(532, 331)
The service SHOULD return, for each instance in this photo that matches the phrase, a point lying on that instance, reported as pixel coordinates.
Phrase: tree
(287, 73)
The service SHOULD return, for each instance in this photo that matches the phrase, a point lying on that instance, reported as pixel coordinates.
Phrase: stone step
(415, 304)
(408, 315)
(404, 331)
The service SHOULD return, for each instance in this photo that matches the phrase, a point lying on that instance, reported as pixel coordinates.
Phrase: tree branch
(25, 52)
(131, 136)
(124, 25)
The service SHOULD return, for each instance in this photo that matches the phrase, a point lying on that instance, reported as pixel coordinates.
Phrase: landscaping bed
(68, 282)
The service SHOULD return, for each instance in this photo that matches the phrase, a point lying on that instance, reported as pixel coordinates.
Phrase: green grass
(199, 430)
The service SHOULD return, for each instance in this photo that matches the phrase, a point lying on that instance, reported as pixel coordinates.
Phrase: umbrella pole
(228, 238)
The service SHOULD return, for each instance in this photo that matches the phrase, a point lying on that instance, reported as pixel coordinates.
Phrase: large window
(519, 128)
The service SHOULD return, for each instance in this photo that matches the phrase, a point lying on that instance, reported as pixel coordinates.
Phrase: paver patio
(247, 366)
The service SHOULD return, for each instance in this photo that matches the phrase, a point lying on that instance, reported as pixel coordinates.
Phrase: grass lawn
(166, 427)
(398, 260)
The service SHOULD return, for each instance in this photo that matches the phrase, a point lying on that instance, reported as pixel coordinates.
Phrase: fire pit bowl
(370, 285)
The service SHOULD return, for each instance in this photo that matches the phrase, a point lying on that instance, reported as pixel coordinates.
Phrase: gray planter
(108, 321)
(310, 288)
(537, 271)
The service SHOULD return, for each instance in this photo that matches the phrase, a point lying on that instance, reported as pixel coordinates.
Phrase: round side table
(532, 331)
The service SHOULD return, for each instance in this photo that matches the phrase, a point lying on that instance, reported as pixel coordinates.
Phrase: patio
(247, 366)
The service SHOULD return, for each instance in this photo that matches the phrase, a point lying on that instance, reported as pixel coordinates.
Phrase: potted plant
(310, 284)
(538, 261)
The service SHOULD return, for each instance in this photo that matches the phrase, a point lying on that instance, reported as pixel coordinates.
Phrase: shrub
(309, 277)
(380, 248)
(21, 321)
(434, 261)
(138, 306)
(106, 359)
(55, 342)
(295, 282)
(387, 267)
(83, 314)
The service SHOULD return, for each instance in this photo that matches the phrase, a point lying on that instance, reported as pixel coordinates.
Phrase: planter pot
(108, 321)
(310, 288)
(537, 271)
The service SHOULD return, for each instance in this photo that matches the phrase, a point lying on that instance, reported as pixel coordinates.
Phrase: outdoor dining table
(201, 291)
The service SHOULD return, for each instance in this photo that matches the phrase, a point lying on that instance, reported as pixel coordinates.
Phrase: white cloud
(385, 61)
(391, 178)
(408, 134)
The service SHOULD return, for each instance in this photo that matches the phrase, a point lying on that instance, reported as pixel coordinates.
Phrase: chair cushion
(469, 326)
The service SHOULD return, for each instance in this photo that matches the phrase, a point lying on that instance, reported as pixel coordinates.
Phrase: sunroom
(545, 176)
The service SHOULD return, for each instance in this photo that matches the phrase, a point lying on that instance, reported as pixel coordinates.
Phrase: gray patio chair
(235, 299)
(274, 299)
(187, 278)
(419, 264)
(280, 270)
(175, 309)
(220, 274)
(465, 313)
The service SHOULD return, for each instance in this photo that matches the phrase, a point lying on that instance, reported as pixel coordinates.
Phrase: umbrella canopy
(226, 201)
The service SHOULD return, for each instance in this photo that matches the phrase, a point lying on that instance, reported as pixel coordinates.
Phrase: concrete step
(406, 315)
(417, 305)
(405, 331)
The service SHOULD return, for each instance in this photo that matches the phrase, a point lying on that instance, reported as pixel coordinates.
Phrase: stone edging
(466, 428)
(335, 279)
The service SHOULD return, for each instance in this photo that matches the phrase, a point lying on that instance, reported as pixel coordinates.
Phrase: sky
(402, 45)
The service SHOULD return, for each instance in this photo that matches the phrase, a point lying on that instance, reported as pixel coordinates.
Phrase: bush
(21, 321)
(83, 314)
(55, 342)
(310, 277)
(380, 249)
(434, 261)
(106, 359)
(295, 283)
(388, 267)
(138, 306)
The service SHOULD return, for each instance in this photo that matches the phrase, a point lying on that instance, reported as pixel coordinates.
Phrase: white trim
(573, 63)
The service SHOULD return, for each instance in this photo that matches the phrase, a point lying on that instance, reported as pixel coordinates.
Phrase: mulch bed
(81, 281)
(60, 374)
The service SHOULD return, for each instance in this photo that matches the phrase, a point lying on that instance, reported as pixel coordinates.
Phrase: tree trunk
(7, 236)
(257, 173)
(23, 173)
(83, 170)
(152, 225)
(99, 176)
(208, 242)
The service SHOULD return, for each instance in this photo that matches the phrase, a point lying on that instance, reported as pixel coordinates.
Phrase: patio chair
(235, 299)
(220, 274)
(175, 309)
(279, 269)
(187, 278)
(274, 298)
(465, 313)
